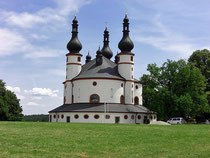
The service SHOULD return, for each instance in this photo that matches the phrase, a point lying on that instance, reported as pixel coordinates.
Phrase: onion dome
(88, 58)
(125, 45)
(99, 57)
(116, 58)
(107, 52)
(74, 45)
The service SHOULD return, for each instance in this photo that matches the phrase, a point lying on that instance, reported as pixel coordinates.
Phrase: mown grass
(35, 139)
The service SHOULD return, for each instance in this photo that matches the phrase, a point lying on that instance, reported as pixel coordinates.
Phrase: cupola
(88, 58)
(106, 51)
(74, 45)
(99, 57)
(125, 45)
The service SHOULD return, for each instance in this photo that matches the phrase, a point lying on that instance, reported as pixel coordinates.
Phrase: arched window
(94, 98)
(122, 99)
(136, 100)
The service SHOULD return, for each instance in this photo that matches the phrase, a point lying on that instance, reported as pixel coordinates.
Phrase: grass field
(34, 139)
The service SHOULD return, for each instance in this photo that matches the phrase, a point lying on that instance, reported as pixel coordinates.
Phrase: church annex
(101, 90)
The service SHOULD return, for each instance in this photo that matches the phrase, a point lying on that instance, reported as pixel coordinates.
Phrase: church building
(101, 90)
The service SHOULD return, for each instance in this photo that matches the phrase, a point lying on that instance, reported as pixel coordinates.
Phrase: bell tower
(73, 62)
(125, 62)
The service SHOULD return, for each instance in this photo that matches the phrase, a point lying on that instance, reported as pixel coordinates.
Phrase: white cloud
(21, 97)
(37, 98)
(17, 91)
(18, 39)
(42, 92)
(32, 104)
(44, 16)
(12, 42)
(13, 89)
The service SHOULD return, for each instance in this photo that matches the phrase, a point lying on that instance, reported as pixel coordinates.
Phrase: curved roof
(99, 107)
(107, 69)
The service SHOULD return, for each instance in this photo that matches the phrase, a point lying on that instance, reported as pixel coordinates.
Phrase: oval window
(126, 117)
(107, 116)
(76, 116)
(96, 116)
(86, 116)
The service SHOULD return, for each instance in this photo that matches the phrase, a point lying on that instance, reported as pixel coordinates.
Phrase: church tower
(106, 51)
(73, 62)
(125, 62)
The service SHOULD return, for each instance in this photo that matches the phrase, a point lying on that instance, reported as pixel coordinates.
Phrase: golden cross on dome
(125, 11)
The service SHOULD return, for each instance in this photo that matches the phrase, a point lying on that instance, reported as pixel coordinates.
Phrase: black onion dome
(98, 52)
(126, 19)
(107, 52)
(88, 56)
(125, 44)
(75, 20)
(74, 45)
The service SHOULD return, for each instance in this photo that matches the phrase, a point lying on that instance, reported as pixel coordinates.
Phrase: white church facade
(101, 90)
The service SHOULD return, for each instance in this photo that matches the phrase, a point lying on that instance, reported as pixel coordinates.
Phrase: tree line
(179, 88)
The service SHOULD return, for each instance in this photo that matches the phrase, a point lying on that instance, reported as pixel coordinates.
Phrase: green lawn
(35, 139)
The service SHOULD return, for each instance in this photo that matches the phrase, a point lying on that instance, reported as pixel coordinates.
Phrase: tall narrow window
(136, 100)
(131, 58)
(122, 99)
(94, 98)
(78, 92)
(78, 59)
(72, 98)
(112, 92)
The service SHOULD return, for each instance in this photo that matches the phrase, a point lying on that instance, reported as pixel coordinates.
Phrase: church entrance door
(67, 118)
(117, 119)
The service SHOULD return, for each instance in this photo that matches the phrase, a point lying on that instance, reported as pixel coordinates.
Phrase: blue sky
(34, 34)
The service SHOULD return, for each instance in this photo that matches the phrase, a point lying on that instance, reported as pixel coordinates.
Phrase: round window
(96, 116)
(107, 116)
(76, 116)
(126, 117)
(132, 117)
(86, 116)
(94, 83)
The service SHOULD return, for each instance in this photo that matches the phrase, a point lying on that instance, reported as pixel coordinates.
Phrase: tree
(174, 89)
(10, 108)
(201, 60)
